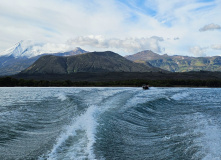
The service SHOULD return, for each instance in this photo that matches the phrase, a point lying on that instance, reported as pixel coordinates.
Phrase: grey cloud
(210, 27)
(176, 38)
(130, 45)
(157, 38)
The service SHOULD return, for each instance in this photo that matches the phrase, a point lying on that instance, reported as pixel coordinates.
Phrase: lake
(110, 123)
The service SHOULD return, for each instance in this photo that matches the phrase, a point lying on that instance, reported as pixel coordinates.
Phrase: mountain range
(25, 53)
(177, 63)
(88, 62)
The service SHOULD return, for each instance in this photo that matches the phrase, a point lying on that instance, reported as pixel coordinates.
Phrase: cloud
(31, 48)
(56, 21)
(210, 27)
(216, 46)
(130, 45)
(198, 51)
(176, 38)
(157, 38)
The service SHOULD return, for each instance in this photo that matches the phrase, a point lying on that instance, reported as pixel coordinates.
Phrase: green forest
(12, 82)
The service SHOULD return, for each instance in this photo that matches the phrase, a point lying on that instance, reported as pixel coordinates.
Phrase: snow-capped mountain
(31, 49)
(24, 53)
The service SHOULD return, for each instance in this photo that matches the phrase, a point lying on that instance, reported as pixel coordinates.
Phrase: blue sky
(174, 27)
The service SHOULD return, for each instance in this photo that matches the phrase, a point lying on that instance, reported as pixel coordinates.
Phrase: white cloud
(56, 21)
(198, 51)
(216, 46)
(129, 45)
(210, 27)
(30, 48)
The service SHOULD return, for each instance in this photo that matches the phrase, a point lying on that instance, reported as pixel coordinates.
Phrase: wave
(61, 96)
(84, 124)
(78, 138)
(180, 96)
(209, 138)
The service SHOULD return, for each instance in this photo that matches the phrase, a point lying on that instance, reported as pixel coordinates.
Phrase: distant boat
(144, 86)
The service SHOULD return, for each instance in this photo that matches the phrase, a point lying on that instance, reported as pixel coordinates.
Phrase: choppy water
(110, 123)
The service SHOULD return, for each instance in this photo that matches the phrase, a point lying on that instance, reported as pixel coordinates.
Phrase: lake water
(110, 123)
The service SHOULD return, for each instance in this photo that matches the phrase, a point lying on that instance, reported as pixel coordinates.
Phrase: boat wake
(110, 123)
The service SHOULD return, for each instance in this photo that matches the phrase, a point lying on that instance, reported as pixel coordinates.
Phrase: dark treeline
(12, 82)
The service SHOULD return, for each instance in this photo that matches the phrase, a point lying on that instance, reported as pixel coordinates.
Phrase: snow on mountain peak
(30, 49)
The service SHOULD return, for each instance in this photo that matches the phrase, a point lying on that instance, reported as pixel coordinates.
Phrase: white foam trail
(83, 129)
(85, 122)
(61, 96)
(210, 141)
(180, 96)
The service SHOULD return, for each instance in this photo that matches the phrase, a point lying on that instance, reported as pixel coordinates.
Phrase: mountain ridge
(17, 58)
(87, 62)
(29, 49)
(177, 63)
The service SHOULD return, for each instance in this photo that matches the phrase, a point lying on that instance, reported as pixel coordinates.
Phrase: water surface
(110, 123)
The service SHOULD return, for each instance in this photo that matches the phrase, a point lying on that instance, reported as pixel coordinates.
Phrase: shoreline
(178, 83)
(202, 79)
(102, 87)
